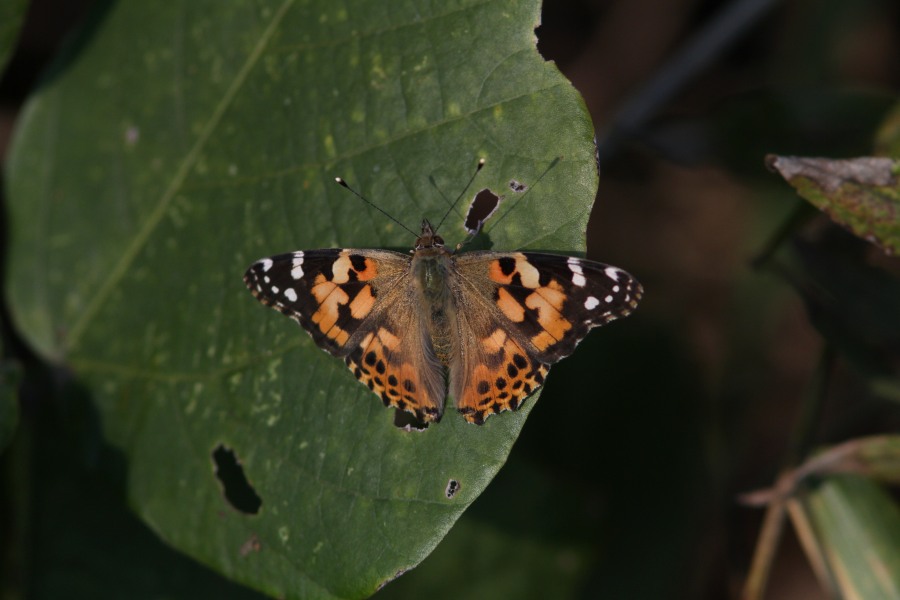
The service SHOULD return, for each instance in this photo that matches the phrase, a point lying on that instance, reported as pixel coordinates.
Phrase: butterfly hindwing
(394, 357)
(494, 371)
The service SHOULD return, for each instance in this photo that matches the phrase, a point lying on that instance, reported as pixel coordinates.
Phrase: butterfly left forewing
(356, 305)
(532, 309)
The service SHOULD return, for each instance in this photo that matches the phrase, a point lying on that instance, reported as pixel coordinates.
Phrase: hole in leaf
(517, 186)
(452, 487)
(483, 205)
(238, 491)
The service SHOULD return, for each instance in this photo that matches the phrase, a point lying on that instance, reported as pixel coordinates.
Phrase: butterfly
(483, 325)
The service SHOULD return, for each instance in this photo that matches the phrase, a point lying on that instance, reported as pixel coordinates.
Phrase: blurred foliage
(12, 15)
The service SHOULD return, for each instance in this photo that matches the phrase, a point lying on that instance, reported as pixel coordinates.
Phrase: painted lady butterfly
(488, 325)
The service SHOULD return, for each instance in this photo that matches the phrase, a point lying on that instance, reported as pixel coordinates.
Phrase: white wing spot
(612, 273)
(297, 267)
(616, 289)
(290, 294)
(275, 289)
(574, 265)
(608, 299)
(266, 279)
(266, 264)
(591, 303)
(577, 274)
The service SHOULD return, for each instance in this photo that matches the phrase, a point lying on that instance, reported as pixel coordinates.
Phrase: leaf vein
(120, 269)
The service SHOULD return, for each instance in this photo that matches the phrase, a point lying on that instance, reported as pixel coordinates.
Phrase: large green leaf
(184, 141)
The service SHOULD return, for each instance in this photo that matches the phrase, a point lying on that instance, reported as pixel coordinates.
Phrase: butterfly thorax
(431, 265)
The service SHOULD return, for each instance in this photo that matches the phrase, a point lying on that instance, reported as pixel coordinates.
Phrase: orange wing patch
(548, 301)
(509, 306)
(353, 267)
(330, 295)
(362, 303)
(515, 269)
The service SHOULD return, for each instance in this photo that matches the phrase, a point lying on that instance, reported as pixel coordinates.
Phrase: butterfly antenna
(552, 164)
(461, 194)
(373, 205)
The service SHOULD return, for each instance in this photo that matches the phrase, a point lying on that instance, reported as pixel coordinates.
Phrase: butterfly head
(429, 237)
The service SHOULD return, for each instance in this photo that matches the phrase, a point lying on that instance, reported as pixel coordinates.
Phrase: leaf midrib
(139, 241)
